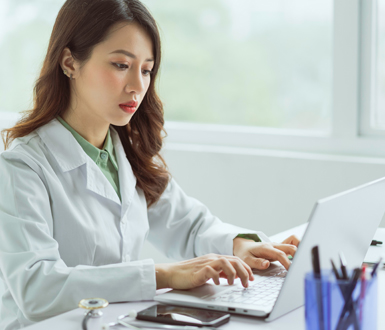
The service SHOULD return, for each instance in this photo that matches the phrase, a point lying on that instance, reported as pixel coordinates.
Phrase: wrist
(237, 243)
(161, 276)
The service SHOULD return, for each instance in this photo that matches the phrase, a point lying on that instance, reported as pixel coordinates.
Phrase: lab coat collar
(63, 146)
(70, 155)
(127, 179)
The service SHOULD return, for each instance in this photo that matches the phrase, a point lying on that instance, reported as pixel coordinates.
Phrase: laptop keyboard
(263, 293)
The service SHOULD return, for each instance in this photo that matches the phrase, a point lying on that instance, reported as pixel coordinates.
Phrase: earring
(71, 76)
(65, 72)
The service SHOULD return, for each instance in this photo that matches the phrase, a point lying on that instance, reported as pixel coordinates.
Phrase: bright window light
(247, 62)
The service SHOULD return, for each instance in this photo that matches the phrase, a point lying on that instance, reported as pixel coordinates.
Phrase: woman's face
(117, 72)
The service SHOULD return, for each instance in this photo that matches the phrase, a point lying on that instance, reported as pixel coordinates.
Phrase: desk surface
(294, 320)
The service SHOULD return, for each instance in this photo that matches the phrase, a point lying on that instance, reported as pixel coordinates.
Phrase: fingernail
(265, 263)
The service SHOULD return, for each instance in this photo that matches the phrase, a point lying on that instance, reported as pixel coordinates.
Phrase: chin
(120, 121)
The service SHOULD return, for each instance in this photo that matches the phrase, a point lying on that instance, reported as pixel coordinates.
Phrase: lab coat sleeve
(38, 279)
(183, 228)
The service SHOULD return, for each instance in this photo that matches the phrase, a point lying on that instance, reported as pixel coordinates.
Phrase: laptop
(345, 222)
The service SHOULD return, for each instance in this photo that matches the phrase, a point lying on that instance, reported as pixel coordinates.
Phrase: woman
(83, 183)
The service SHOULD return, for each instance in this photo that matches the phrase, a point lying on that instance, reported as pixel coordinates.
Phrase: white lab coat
(65, 235)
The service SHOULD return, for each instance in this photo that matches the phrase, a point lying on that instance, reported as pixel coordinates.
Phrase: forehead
(127, 36)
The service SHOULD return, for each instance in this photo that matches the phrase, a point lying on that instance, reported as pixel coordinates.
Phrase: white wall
(261, 189)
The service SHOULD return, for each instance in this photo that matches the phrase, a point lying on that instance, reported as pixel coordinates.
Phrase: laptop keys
(262, 293)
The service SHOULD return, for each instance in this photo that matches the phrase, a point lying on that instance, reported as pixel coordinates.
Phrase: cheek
(110, 78)
(103, 83)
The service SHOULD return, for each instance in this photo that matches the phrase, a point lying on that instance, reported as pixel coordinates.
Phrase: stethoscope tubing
(85, 320)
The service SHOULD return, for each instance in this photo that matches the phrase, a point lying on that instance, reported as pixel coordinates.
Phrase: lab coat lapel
(98, 183)
(127, 179)
(70, 155)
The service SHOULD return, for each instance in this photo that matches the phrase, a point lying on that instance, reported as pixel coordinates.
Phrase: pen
(335, 270)
(343, 266)
(362, 293)
(375, 267)
(317, 275)
(375, 242)
(315, 262)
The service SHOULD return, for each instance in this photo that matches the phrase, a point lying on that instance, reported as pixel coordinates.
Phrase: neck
(92, 129)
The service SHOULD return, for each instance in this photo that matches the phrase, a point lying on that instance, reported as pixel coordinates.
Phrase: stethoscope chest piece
(93, 306)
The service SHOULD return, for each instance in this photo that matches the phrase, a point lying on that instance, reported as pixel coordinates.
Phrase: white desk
(294, 320)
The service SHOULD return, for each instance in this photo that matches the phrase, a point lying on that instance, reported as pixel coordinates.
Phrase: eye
(120, 66)
(147, 72)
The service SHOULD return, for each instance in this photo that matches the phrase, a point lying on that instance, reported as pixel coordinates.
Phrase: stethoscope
(94, 306)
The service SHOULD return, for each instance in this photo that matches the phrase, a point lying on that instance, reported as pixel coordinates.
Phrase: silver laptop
(344, 222)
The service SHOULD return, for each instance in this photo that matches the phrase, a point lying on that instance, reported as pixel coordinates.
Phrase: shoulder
(28, 149)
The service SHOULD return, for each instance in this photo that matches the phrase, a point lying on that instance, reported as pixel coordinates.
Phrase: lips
(129, 107)
(133, 104)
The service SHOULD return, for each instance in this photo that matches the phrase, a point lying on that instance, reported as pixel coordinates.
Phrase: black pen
(335, 270)
(343, 266)
(375, 243)
(318, 282)
(315, 262)
(375, 267)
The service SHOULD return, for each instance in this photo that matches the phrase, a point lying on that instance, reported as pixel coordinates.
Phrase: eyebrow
(122, 51)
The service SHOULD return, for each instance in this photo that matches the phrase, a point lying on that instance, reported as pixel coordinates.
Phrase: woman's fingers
(233, 267)
(195, 272)
(259, 263)
(280, 252)
(204, 274)
(283, 259)
(243, 272)
(223, 267)
(226, 267)
(287, 248)
(294, 240)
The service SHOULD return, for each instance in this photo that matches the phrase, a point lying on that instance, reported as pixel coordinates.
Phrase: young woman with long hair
(83, 183)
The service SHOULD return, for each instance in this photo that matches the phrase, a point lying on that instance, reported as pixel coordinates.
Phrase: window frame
(369, 86)
(353, 49)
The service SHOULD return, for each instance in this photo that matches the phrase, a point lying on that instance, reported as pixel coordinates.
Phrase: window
(256, 63)
(25, 29)
(280, 74)
(378, 115)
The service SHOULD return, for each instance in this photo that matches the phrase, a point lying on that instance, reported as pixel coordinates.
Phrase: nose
(135, 83)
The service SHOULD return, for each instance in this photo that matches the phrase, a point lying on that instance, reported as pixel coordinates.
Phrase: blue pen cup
(332, 304)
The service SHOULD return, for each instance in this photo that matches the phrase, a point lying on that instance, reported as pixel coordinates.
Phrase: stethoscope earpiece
(132, 313)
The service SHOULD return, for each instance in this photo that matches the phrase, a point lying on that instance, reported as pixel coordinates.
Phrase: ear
(67, 62)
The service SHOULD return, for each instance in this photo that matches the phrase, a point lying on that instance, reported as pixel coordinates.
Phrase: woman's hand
(292, 240)
(259, 255)
(196, 272)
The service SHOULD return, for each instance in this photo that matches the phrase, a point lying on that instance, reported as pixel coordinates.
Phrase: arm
(39, 281)
(183, 227)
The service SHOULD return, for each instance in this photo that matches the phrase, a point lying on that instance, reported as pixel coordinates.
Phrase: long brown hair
(80, 25)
